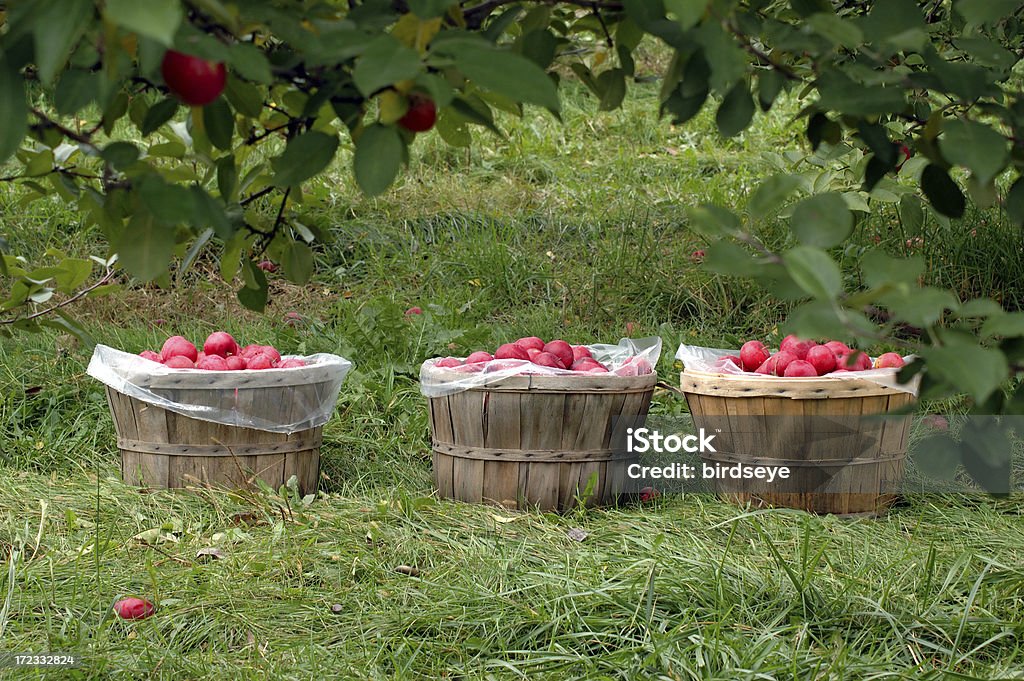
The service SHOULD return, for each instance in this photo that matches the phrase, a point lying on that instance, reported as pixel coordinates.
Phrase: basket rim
(816, 387)
(561, 383)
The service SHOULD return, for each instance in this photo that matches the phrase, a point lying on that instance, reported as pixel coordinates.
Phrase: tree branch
(84, 292)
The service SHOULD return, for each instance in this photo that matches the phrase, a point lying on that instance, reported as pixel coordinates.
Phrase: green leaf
(919, 306)
(305, 156)
(249, 62)
(986, 11)
(688, 12)
(378, 157)
(841, 93)
(429, 9)
(1015, 202)
(75, 90)
(56, 29)
(385, 62)
(839, 32)
(613, 89)
(769, 85)
(736, 110)
(975, 146)
(880, 269)
(13, 109)
(728, 62)
(145, 247)
(170, 204)
(712, 221)
(504, 72)
(156, 19)
(158, 114)
(298, 262)
(968, 368)
(822, 220)
(219, 123)
(911, 214)
(68, 324)
(227, 177)
(245, 97)
(729, 258)
(121, 155)
(771, 194)
(1004, 324)
(942, 192)
(896, 22)
(74, 272)
(814, 271)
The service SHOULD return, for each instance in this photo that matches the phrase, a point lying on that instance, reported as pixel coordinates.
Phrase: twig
(46, 121)
(258, 195)
(84, 292)
(604, 27)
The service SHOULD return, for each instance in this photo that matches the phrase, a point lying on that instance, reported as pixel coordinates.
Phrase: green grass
(574, 230)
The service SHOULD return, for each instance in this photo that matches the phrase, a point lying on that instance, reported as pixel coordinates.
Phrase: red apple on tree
(193, 80)
(422, 113)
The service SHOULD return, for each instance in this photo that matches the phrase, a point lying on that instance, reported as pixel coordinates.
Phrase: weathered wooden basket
(536, 441)
(163, 449)
(850, 465)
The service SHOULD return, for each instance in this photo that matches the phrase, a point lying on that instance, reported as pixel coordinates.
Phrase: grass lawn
(574, 230)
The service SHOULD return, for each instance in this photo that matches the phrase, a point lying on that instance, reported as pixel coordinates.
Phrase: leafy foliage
(907, 104)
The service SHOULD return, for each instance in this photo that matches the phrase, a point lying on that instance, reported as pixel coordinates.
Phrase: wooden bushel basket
(536, 441)
(849, 473)
(164, 449)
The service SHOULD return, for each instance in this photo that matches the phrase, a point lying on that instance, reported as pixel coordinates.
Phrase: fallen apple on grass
(133, 608)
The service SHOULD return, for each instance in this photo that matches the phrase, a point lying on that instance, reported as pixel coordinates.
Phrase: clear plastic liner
(712, 360)
(234, 398)
(631, 357)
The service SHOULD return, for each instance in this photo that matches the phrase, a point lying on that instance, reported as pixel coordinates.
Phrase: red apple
(855, 360)
(796, 346)
(151, 356)
(422, 113)
(213, 363)
(800, 368)
(778, 362)
(511, 351)
(271, 352)
(731, 358)
(236, 363)
(479, 356)
(580, 351)
(643, 366)
(267, 266)
(220, 343)
(752, 355)
(448, 362)
(648, 494)
(260, 361)
(530, 342)
(413, 311)
(133, 608)
(291, 363)
(178, 346)
(533, 352)
(935, 422)
(546, 359)
(822, 359)
(249, 350)
(889, 360)
(561, 350)
(193, 80)
(838, 347)
(180, 362)
(200, 356)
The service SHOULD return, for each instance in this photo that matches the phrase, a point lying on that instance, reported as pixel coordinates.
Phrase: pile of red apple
(220, 353)
(803, 358)
(555, 354)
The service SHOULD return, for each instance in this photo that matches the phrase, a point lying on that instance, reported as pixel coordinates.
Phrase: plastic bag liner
(696, 358)
(631, 357)
(246, 399)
